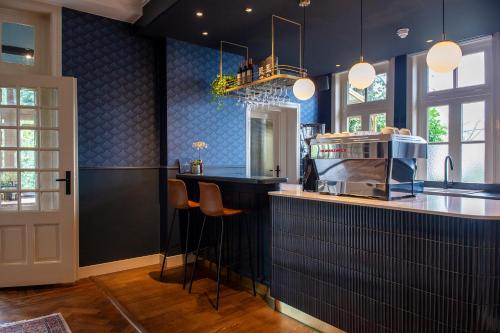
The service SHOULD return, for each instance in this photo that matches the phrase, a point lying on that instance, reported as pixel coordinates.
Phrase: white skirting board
(122, 265)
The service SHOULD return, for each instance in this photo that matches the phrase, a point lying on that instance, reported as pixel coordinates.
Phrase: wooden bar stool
(211, 206)
(178, 199)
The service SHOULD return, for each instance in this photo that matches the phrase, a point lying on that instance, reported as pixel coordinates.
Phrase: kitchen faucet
(446, 160)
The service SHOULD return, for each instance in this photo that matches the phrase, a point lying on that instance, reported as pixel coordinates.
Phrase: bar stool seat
(178, 199)
(211, 206)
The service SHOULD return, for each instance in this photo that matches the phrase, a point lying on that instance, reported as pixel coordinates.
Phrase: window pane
(354, 95)
(29, 201)
(48, 97)
(439, 81)
(378, 90)
(8, 117)
(8, 159)
(8, 201)
(473, 162)
(473, 121)
(18, 43)
(48, 180)
(471, 70)
(435, 161)
(8, 137)
(28, 138)
(49, 139)
(437, 123)
(8, 180)
(28, 118)
(8, 96)
(377, 122)
(29, 180)
(28, 97)
(49, 201)
(48, 118)
(49, 159)
(353, 124)
(27, 159)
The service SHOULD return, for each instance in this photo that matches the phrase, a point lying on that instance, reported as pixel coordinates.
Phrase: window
(18, 43)
(453, 110)
(369, 109)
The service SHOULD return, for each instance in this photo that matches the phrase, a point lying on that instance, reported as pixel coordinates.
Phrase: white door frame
(289, 133)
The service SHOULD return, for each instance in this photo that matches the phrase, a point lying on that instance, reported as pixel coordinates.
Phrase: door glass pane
(8, 137)
(8, 117)
(473, 121)
(377, 91)
(473, 162)
(49, 118)
(354, 124)
(27, 159)
(29, 180)
(8, 180)
(439, 81)
(28, 138)
(28, 97)
(471, 70)
(48, 180)
(29, 201)
(48, 97)
(8, 201)
(261, 147)
(28, 117)
(355, 95)
(49, 201)
(435, 161)
(377, 122)
(49, 159)
(8, 96)
(8, 159)
(437, 123)
(18, 43)
(49, 139)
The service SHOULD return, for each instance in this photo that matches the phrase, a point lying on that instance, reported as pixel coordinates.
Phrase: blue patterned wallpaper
(193, 115)
(117, 125)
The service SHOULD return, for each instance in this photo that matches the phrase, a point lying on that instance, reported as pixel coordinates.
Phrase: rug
(53, 323)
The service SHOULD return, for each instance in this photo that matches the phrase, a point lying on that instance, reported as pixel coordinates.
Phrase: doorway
(272, 141)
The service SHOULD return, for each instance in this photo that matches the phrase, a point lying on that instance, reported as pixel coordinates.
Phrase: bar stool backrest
(177, 194)
(211, 199)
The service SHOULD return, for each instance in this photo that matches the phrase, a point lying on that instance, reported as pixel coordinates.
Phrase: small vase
(196, 169)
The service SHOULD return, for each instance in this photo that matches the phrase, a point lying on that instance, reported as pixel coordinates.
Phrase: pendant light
(362, 74)
(445, 55)
(304, 87)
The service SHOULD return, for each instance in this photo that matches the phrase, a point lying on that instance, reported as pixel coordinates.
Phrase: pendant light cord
(304, 42)
(361, 32)
(444, 34)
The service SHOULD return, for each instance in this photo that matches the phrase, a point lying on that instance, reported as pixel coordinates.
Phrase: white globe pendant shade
(444, 56)
(361, 75)
(303, 89)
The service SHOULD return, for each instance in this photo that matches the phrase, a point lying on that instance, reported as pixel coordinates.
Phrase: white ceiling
(122, 10)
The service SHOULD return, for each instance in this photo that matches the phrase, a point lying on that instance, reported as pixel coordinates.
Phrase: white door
(38, 221)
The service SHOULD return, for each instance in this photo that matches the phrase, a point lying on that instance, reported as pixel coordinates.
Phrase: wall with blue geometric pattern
(194, 115)
(115, 69)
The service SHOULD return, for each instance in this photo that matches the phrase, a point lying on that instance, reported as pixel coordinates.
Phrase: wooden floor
(154, 305)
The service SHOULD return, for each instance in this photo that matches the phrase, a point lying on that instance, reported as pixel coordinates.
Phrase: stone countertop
(463, 207)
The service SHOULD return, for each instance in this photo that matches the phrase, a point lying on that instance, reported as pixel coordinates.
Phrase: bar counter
(424, 264)
(245, 192)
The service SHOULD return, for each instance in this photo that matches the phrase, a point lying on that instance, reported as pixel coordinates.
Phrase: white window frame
(364, 110)
(48, 55)
(421, 99)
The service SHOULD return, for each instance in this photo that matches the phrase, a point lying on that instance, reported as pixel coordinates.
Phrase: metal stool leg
(220, 262)
(169, 237)
(186, 252)
(250, 255)
(197, 253)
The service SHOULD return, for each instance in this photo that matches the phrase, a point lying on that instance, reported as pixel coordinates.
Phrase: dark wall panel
(119, 214)
(400, 85)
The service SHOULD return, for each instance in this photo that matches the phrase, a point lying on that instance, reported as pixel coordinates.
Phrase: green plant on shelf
(219, 86)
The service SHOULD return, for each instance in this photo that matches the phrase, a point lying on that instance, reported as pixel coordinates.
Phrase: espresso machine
(372, 165)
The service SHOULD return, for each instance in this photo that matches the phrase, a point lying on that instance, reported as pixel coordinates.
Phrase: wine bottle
(238, 76)
(250, 71)
(244, 73)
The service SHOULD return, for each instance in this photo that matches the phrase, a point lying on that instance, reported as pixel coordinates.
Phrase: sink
(452, 192)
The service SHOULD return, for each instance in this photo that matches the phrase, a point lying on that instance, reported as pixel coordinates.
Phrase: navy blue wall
(118, 126)
(192, 113)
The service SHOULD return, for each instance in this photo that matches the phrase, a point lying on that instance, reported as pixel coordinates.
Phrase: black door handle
(68, 182)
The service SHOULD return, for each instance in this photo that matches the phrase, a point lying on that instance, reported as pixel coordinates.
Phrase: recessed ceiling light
(204, 33)
(337, 65)
(429, 40)
(248, 10)
(199, 13)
